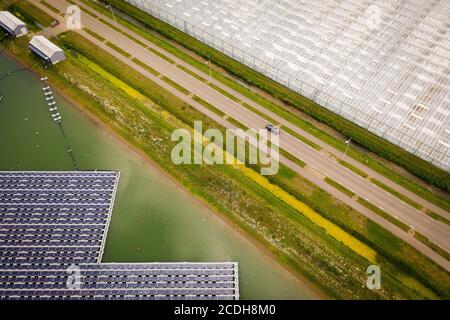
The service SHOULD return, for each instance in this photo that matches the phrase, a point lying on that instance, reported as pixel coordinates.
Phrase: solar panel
(52, 233)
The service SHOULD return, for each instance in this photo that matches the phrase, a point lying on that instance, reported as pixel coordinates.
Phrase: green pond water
(154, 220)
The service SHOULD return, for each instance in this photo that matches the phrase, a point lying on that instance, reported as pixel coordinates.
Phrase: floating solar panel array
(383, 64)
(53, 227)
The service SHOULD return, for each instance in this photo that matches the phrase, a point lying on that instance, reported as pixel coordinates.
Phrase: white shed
(12, 24)
(47, 50)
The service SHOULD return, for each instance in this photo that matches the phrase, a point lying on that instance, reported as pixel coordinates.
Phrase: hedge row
(417, 166)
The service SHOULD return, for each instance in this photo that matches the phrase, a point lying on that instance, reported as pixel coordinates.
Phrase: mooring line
(68, 146)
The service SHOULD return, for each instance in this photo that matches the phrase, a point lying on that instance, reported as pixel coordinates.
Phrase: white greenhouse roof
(10, 20)
(44, 45)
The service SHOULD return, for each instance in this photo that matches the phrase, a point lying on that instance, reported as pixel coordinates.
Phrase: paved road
(434, 230)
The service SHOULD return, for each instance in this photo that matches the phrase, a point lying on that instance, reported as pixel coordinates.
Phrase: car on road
(54, 23)
(272, 128)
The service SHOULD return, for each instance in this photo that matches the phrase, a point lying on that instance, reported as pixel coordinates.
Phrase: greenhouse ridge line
(246, 117)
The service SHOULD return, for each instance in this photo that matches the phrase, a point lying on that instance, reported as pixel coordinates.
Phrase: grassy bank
(297, 241)
(415, 165)
(389, 247)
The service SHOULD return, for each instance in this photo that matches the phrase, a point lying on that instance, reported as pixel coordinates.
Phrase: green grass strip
(94, 34)
(146, 66)
(396, 193)
(139, 42)
(176, 85)
(383, 214)
(118, 49)
(303, 139)
(353, 168)
(225, 93)
(339, 187)
(237, 124)
(290, 157)
(159, 54)
(437, 217)
(259, 113)
(88, 12)
(191, 73)
(30, 14)
(431, 245)
(49, 6)
(373, 164)
(110, 25)
(208, 105)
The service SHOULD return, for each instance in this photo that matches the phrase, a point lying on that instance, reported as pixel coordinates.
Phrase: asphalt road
(319, 164)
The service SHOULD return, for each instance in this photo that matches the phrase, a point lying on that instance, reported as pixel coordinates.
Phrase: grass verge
(225, 93)
(353, 168)
(412, 203)
(208, 105)
(118, 49)
(49, 6)
(146, 67)
(339, 187)
(176, 85)
(94, 34)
